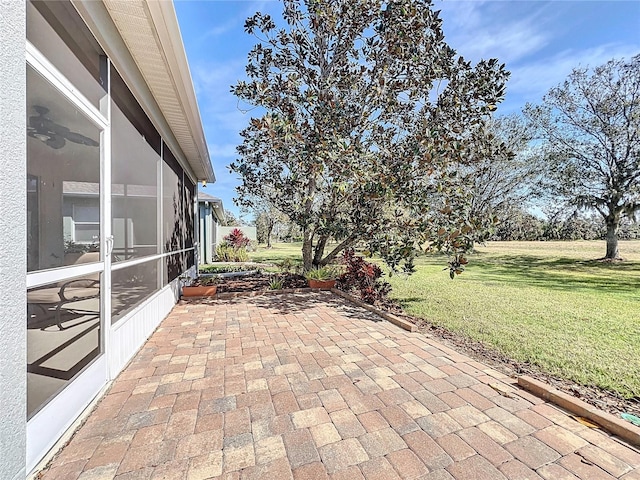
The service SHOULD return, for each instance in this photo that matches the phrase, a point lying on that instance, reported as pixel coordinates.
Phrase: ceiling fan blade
(79, 138)
(52, 133)
(57, 128)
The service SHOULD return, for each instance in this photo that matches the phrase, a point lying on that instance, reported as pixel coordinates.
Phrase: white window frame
(49, 72)
(75, 223)
(45, 427)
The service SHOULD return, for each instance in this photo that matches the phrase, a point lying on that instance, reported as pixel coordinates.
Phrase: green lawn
(279, 252)
(547, 303)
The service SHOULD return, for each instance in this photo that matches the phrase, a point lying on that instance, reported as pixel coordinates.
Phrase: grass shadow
(560, 273)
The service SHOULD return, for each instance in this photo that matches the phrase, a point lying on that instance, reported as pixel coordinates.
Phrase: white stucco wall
(13, 263)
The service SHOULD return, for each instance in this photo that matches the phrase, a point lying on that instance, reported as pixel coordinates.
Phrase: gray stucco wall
(13, 264)
(206, 234)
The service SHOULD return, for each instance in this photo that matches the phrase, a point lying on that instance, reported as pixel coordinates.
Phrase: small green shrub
(72, 247)
(288, 266)
(276, 284)
(227, 253)
(328, 272)
(200, 281)
(206, 281)
(225, 268)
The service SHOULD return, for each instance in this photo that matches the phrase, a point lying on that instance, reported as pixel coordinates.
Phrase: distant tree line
(518, 224)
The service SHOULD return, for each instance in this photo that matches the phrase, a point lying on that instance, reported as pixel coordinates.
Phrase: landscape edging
(623, 429)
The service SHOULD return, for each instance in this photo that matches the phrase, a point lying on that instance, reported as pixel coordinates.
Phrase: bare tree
(267, 219)
(590, 126)
(504, 178)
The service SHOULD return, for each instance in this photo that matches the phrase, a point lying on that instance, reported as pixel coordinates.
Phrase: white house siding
(131, 332)
(13, 265)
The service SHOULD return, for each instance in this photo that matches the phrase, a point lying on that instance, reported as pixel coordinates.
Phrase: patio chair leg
(58, 321)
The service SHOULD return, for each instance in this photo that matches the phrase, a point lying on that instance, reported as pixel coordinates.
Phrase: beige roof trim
(149, 30)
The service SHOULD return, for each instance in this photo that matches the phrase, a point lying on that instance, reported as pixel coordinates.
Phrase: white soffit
(150, 30)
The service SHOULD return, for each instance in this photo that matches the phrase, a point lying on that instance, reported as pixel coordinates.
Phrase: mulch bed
(259, 281)
(603, 399)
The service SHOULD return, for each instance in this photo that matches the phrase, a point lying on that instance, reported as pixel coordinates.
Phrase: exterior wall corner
(13, 268)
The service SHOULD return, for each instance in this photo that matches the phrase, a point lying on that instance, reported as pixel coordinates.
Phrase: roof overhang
(142, 38)
(218, 211)
(216, 205)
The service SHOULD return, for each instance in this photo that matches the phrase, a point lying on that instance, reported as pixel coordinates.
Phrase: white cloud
(508, 44)
(218, 105)
(479, 29)
(533, 80)
(218, 75)
(236, 22)
(531, 38)
(219, 30)
(462, 15)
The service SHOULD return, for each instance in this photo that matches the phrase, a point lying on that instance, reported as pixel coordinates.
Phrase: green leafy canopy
(370, 118)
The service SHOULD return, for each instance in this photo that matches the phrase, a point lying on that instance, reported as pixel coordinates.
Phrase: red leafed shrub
(237, 239)
(364, 278)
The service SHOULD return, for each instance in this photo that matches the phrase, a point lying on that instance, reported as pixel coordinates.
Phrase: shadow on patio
(307, 386)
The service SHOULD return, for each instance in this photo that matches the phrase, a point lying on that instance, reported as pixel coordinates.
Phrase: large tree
(230, 220)
(368, 116)
(267, 218)
(504, 180)
(590, 126)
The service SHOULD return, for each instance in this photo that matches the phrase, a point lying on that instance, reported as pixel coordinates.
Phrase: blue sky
(540, 42)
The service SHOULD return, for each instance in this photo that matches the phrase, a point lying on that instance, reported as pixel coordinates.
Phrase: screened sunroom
(113, 151)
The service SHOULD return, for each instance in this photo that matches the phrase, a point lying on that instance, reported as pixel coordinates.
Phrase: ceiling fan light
(55, 142)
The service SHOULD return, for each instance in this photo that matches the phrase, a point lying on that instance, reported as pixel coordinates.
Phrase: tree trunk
(348, 242)
(269, 229)
(307, 250)
(308, 232)
(613, 224)
(319, 250)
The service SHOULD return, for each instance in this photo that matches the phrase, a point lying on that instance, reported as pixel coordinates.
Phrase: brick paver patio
(308, 386)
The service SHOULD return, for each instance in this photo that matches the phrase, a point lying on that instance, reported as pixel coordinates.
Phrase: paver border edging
(611, 423)
(410, 327)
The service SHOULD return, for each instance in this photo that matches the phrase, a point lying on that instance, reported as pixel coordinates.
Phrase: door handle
(109, 245)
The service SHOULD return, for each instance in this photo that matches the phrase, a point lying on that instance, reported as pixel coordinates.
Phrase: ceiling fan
(52, 134)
